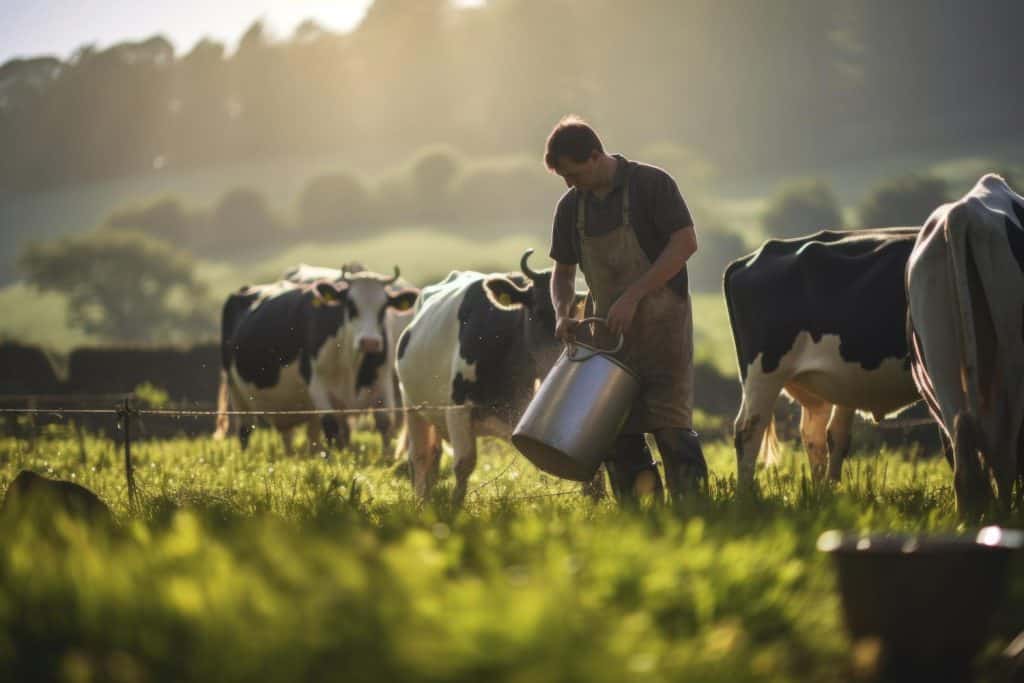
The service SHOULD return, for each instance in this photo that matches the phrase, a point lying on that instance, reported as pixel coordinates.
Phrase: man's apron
(659, 342)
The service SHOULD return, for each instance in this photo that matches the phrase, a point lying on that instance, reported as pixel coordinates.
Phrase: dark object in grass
(926, 601)
(31, 495)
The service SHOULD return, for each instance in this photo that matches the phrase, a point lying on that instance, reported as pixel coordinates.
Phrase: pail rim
(597, 352)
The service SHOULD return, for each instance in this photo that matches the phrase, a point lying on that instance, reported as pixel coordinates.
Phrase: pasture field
(248, 565)
(424, 254)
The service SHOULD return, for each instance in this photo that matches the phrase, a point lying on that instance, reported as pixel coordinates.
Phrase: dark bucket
(927, 601)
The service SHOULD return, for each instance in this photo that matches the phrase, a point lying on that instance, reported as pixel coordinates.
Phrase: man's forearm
(681, 246)
(563, 289)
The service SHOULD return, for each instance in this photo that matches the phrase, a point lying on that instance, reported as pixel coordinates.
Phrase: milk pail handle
(581, 352)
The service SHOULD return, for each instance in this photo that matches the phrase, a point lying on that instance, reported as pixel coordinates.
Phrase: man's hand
(565, 328)
(620, 315)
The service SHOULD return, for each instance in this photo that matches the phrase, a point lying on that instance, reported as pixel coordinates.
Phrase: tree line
(749, 86)
(134, 279)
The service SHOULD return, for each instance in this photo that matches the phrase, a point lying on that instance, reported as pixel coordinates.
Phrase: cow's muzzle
(371, 345)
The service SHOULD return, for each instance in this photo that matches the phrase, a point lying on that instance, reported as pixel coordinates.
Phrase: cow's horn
(395, 278)
(525, 267)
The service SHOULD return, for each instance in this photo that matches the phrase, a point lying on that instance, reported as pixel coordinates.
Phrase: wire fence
(128, 415)
(125, 410)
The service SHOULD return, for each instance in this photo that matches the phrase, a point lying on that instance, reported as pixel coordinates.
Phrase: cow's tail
(223, 420)
(769, 451)
(726, 278)
(958, 254)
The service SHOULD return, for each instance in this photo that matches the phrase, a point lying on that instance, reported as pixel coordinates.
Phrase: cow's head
(369, 296)
(532, 296)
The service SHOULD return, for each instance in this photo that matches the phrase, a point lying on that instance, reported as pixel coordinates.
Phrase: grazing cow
(479, 343)
(965, 285)
(377, 369)
(288, 346)
(823, 318)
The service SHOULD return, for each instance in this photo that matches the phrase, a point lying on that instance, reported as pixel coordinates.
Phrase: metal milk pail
(570, 425)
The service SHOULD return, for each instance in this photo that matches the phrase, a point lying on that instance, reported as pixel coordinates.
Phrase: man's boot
(686, 471)
(633, 471)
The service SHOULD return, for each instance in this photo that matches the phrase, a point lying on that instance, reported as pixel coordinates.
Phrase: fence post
(124, 414)
(80, 436)
(32, 425)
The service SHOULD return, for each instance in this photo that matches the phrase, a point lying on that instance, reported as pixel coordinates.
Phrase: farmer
(627, 227)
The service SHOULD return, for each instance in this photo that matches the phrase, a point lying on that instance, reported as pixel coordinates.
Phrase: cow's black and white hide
(288, 346)
(377, 369)
(965, 285)
(479, 343)
(822, 318)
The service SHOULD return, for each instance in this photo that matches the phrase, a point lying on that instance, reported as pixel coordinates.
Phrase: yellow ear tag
(505, 300)
(403, 305)
(317, 303)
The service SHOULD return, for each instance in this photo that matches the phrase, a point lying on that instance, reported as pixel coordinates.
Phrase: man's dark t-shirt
(656, 210)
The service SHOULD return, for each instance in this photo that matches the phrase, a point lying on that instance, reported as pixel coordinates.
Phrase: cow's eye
(353, 312)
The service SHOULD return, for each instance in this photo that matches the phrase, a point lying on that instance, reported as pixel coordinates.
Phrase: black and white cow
(377, 370)
(823, 318)
(479, 343)
(965, 285)
(290, 346)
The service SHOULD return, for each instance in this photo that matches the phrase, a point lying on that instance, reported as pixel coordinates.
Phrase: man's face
(583, 175)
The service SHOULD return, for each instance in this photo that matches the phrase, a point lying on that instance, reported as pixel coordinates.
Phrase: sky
(58, 27)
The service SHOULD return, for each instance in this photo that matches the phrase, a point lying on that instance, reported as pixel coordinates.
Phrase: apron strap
(581, 203)
(625, 198)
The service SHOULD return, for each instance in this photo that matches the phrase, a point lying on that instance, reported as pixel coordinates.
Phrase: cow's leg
(245, 425)
(313, 434)
(423, 455)
(839, 428)
(288, 440)
(814, 416)
(1019, 501)
(463, 438)
(386, 419)
(245, 430)
(753, 419)
(382, 423)
(970, 482)
(947, 446)
(397, 417)
(336, 429)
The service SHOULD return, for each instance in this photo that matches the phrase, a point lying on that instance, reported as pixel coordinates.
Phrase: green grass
(253, 566)
(425, 254)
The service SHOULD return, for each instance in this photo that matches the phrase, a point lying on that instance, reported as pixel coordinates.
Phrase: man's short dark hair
(572, 138)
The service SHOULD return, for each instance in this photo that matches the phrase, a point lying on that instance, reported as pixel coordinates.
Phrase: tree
(164, 218)
(242, 219)
(121, 285)
(801, 208)
(907, 200)
(433, 171)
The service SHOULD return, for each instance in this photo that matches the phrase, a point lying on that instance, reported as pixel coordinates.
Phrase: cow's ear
(403, 299)
(506, 294)
(326, 293)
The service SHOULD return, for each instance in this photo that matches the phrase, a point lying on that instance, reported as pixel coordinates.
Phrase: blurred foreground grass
(244, 566)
